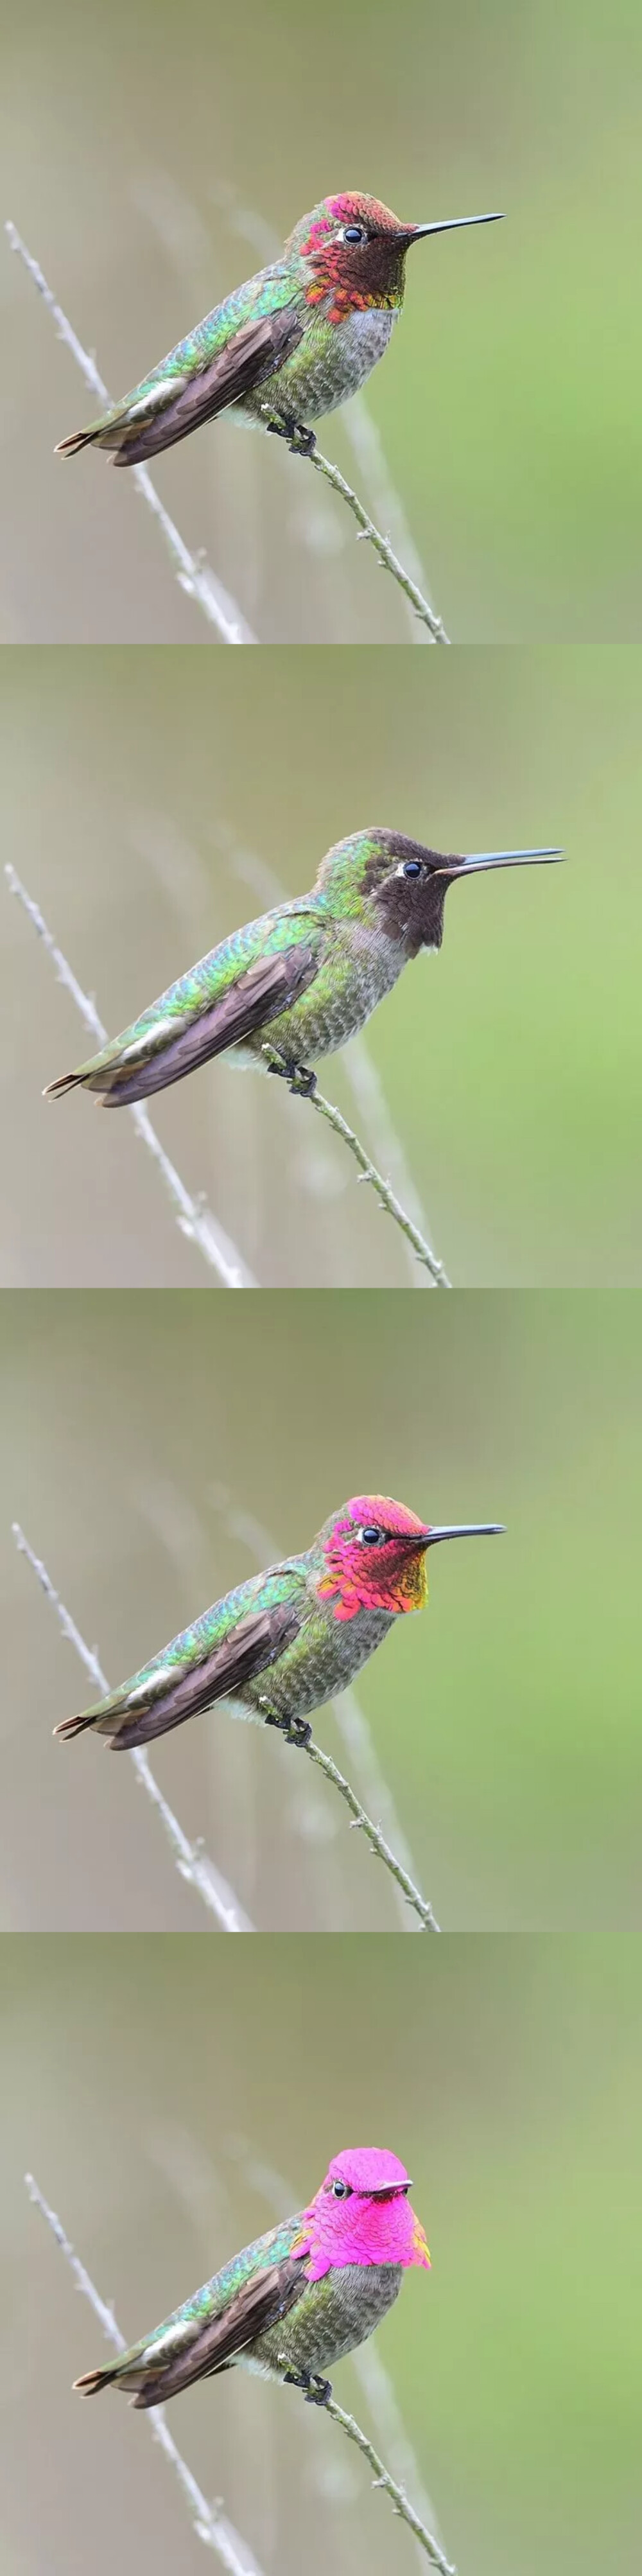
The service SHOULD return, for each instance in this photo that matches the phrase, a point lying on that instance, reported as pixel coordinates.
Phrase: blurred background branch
(194, 576)
(208, 2520)
(373, 1835)
(383, 2479)
(192, 1861)
(382, 546)
(325, 1109)
(194, 1217)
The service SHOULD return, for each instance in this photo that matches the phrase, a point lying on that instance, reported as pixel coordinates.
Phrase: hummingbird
(299, 981)
(287, 346)
(287, 1640)
(295, 2301)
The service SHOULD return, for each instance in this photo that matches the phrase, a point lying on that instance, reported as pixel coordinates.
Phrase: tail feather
(92, 2380)
(74, 1725)
(65, 1082)
(78, 438)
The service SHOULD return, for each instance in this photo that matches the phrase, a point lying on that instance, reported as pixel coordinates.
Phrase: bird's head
(362, 2214)
(353, 251)
(400, 886)
(374, 1555)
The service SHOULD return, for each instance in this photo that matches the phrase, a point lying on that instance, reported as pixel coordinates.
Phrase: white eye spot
(408, 868)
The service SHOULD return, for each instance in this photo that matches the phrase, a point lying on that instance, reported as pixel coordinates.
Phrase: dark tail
(73, 1725)
(78, 438)
(65, 1082)
(92, 2380)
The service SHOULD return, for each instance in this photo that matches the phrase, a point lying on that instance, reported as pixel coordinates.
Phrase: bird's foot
(301, 441)
(295, 1730)
(301, 1079)
(316, 2391)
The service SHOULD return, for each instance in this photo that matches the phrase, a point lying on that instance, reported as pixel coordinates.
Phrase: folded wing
(198, 2347)
(130, 1069)
(169, 408)
(169, 1693)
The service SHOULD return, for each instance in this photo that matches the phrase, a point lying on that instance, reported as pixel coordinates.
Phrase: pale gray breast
(324, 375)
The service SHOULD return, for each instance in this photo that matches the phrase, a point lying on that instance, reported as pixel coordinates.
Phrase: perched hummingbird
(296, 2300)
(287, 1640)
(289, 345)
(302, 979)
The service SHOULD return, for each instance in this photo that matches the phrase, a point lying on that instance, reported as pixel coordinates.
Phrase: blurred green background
(153, 159)
(171, 2099)
(158, 1449)
(152, 802)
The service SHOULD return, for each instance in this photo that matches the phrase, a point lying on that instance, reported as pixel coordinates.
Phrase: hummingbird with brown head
(296, 984)
(287, 346)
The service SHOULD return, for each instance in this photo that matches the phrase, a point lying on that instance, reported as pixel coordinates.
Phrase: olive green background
(152, 801)
(171, 2099)
(158, 1449)
(153, 158)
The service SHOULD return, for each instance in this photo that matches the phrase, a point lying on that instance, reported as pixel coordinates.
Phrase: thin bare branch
(325, 1109)
(192, 572)
(194, 1218)
(208, 2520)
(382, 2478)
(373, 1835)
(382, 546)
(192, 1861)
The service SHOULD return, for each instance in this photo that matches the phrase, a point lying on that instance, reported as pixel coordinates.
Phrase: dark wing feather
(261, 2303)
(249, 358)
(219, 1674)
(213, 2344)
(261, 993)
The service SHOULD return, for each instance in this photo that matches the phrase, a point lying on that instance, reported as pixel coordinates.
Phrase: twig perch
(208, 2520)
(382, 2478)
(382, 546)
(373, 1835)
(193, 576)
(325, 1109)
(192, 1864)
(194, 1218)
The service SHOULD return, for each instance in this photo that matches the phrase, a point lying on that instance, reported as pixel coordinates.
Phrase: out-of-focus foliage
(153, 159)
(158, 1448)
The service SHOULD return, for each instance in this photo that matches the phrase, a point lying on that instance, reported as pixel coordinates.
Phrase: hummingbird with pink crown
(288, 346)
(294, 2302)
(287, 1640)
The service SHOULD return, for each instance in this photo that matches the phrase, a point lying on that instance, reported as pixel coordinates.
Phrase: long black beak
(453, 224)
(504, 859)
(469, 1529)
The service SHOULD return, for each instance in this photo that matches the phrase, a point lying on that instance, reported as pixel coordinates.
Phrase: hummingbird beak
(504, 859)
(388, 2191)
(453, 224)
(469, 1529)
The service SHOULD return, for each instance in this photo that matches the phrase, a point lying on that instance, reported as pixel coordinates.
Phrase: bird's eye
(354, 233)
(371, 1537)
(341, 2191)
(409, 868)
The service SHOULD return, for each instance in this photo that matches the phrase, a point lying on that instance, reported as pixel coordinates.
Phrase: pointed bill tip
(452, 224)
(480, 859)
(467, 1529)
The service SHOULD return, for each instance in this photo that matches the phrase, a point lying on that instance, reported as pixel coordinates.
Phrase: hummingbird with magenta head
(287, 346)
(294, 2302)
(294, 985)
(287, 1640)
